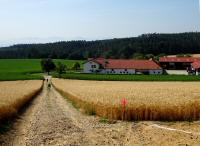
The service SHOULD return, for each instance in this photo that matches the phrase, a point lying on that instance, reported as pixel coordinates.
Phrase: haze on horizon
(40, 21)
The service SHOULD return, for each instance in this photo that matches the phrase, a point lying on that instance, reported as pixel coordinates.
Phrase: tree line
(143, 46)
(49, 65)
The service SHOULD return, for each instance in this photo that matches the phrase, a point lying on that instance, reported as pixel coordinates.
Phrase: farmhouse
(121, 66)
(177, 63)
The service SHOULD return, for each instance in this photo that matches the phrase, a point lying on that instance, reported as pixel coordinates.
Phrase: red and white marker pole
(124, 103)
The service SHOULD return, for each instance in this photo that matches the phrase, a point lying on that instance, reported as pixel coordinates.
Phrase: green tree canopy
(47, 65)
(61, 68)
(138, 56)
(169, 44)
(76, 66)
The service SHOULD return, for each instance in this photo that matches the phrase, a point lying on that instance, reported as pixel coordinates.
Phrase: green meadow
(25, 69)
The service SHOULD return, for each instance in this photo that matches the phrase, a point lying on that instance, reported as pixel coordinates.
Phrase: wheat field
(14, 94)
(146, 100)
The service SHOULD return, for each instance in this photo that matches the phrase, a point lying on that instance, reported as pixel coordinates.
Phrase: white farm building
(121, 66)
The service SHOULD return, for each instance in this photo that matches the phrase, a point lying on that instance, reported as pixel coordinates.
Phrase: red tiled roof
(179, 59)
(196, 65)
(127, 64)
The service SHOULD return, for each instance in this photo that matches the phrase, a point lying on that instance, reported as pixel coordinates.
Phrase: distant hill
(146, 44)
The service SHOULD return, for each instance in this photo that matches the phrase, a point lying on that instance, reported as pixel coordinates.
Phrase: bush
(76, 66)
(61, 68)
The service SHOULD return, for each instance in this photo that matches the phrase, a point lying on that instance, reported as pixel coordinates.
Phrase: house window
(111, 71)
(93, 66)
(125, 69)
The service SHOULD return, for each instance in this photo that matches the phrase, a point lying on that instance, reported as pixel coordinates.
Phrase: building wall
(88, 67)
(119, 71)
(175, 65)
(195, 71)
(156, 72)
(130, 71)
(176, 72)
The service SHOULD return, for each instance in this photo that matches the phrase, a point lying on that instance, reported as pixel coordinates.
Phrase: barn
(121, 66)
(177, 63)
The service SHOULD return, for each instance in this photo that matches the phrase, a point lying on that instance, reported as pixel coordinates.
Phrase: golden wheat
(14, 94)
(146, 100)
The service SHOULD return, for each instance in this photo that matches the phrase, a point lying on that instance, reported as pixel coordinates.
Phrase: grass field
(20, 65)
(69, 63)
(23, 69)
(14, 94)
(19, 69)
(146, 100)
(28, 65)
(101, 77)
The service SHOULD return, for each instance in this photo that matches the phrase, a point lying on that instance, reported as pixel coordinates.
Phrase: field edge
(7, 117)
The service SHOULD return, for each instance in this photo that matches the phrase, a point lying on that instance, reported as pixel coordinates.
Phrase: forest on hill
(145, 45)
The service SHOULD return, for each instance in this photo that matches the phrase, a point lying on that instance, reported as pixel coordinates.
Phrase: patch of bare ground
(52, 120)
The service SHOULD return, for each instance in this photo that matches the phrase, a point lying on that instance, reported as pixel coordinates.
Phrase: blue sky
(34, 21)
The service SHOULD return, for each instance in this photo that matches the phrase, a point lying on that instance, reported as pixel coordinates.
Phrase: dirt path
(52, 120)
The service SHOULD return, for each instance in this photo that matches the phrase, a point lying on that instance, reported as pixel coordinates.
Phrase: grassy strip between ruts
(101, 77)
